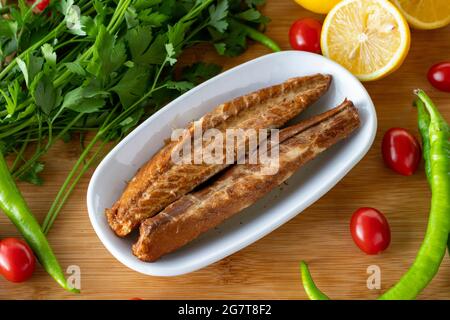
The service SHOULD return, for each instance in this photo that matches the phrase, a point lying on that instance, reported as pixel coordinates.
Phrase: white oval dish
(306, 186)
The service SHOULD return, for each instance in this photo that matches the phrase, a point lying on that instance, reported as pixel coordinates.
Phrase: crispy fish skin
(241, 185)
(160, 181)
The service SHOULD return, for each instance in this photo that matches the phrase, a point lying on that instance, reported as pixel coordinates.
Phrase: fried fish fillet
(241, 185)
(160, 181)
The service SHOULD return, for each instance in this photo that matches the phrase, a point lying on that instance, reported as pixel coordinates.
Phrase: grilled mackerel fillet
(160, 181)
(241, 185)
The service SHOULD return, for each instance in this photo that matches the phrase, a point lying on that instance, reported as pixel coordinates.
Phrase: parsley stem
(17, 127)
(116, 21)
(37, 155)
(19, 155)
(71, 41)
(32, 131)
(6, 129)
(61, 198)
(56, 207)
(195, 11)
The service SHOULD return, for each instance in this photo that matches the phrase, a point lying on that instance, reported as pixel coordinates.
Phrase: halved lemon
(425, 14)
(370, 38)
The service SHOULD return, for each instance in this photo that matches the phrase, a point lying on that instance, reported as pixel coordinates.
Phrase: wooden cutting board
(268, 269)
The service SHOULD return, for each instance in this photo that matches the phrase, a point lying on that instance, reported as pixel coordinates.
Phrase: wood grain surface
(268, 269)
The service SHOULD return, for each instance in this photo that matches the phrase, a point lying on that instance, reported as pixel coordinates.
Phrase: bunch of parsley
(102, 66)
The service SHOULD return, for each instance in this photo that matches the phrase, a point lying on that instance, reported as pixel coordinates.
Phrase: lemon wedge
(370, 38)
(425, 14)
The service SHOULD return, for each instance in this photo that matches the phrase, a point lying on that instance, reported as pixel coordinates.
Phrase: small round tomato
(370, 230)
(439, 76)
(401, 151)
(304, 35)
(17, 261)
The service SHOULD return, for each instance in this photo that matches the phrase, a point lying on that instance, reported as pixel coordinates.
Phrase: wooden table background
(268, 269)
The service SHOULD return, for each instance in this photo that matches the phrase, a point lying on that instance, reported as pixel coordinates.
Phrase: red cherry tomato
(370, 230)
(41, 5)
(17, 261)
(439, 76)
(401, 151)
(304, 35)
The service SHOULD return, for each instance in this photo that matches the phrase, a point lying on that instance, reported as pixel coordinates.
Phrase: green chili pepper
(436, 151)
(311, 289)
(424, 124)
(434, 245)
(16, 209)
(258, 36)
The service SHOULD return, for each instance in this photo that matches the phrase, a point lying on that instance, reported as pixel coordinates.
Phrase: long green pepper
(16, 209)
(435, 134)
(424, 124)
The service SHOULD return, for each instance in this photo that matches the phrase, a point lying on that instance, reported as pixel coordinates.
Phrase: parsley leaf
(138, 40)
(181, 86)
(170, 54)
(85, 99)
(155, 19)
(44, 93)
(30, 67)
(218, 15)
(32, 174)
(75, 68)
(23, 67)
(133, 85)
(8, 28)
(250, 15)
(131, 18)
(156, 53)
(49, 56)
(176, 35)
(11, 97)
(221, 48)
(109, 55)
